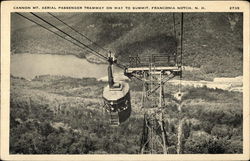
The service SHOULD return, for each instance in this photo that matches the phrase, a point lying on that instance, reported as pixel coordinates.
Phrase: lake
(30, 65)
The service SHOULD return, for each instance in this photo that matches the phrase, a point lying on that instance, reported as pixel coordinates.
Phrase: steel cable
(105, 58)
(78, 32)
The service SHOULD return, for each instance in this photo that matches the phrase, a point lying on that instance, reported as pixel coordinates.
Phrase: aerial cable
(78, 32)
(52, 31)
(95, 52)
(181, 44)
(181, 119)
(175, 36)
(100, 55)
(174, 26)
(103, 57)
(181, 49)
(181, 35)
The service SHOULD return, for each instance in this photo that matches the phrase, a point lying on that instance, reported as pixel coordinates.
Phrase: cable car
(116, 97)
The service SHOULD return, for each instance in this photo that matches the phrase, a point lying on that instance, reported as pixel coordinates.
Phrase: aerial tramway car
(116, 97)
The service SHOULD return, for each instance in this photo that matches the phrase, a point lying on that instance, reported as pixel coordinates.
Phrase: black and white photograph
(126, 83)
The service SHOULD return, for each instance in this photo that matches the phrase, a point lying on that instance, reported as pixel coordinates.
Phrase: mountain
(212, 41)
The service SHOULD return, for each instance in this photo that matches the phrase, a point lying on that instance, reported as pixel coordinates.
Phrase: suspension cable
(94, 52)
(52, 31)
(84, 48)
(181, 49)
(100, 55)
(181, 35)
(77, 32)
(174, 25)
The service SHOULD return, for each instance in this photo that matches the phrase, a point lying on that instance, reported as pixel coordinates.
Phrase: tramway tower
(155, 71)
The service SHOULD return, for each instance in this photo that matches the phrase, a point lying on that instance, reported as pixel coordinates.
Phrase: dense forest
(62, 115)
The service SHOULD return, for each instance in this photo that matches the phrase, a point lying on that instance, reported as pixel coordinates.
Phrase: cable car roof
(113, 94)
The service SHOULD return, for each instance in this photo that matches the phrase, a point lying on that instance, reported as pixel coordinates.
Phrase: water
(30, 65)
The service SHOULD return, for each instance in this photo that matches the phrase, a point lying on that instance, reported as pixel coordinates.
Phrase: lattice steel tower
(155, 70)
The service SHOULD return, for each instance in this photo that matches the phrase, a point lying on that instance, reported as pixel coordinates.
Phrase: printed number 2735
(234, 8)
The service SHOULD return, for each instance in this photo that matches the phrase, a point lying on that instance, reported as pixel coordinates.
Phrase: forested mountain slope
(62, 115)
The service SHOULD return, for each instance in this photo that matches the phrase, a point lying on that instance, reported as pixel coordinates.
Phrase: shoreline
(227, 86)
